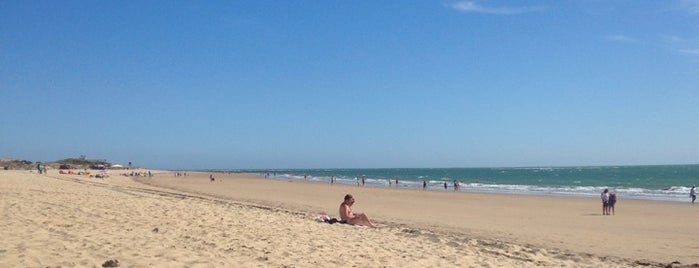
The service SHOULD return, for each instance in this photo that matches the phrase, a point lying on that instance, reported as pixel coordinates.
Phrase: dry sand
(243, 221)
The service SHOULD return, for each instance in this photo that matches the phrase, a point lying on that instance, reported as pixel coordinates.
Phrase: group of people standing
(608, 202)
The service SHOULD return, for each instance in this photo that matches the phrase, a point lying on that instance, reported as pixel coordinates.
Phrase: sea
(652, 182)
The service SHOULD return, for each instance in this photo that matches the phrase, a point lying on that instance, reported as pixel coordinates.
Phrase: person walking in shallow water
(693, 194)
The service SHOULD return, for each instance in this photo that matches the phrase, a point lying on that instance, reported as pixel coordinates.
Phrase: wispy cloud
(474, 7)
(671, 38)
(692, 6)
(621, 38)
(690, 52)
(683, 46)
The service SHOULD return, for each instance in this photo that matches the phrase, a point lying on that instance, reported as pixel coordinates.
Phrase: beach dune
(241, 220)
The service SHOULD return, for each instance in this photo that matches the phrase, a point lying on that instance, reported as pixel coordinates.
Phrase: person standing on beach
(605, 202)
(354, 219)
(693, 193)
(424, 184)
(445, 185)
(612, 202)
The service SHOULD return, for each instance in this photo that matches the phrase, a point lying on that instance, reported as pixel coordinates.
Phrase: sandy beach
(241, 220)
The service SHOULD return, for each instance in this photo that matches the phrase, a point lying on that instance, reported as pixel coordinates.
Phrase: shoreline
(468, 187)
(570, 223)
(244, 221)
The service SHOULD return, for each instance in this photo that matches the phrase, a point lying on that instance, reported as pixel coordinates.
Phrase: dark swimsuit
(334, 220)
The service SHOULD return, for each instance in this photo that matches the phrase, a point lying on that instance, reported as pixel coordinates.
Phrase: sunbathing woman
(355, 219)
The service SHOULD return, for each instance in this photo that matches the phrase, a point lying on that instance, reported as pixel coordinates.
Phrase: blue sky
(351, 84)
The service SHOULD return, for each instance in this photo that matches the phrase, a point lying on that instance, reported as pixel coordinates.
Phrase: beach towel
(330, 220)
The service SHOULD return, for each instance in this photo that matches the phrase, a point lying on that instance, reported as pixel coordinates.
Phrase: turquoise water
(666, 182)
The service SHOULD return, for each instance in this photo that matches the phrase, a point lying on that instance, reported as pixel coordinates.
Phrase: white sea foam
(625, 181)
